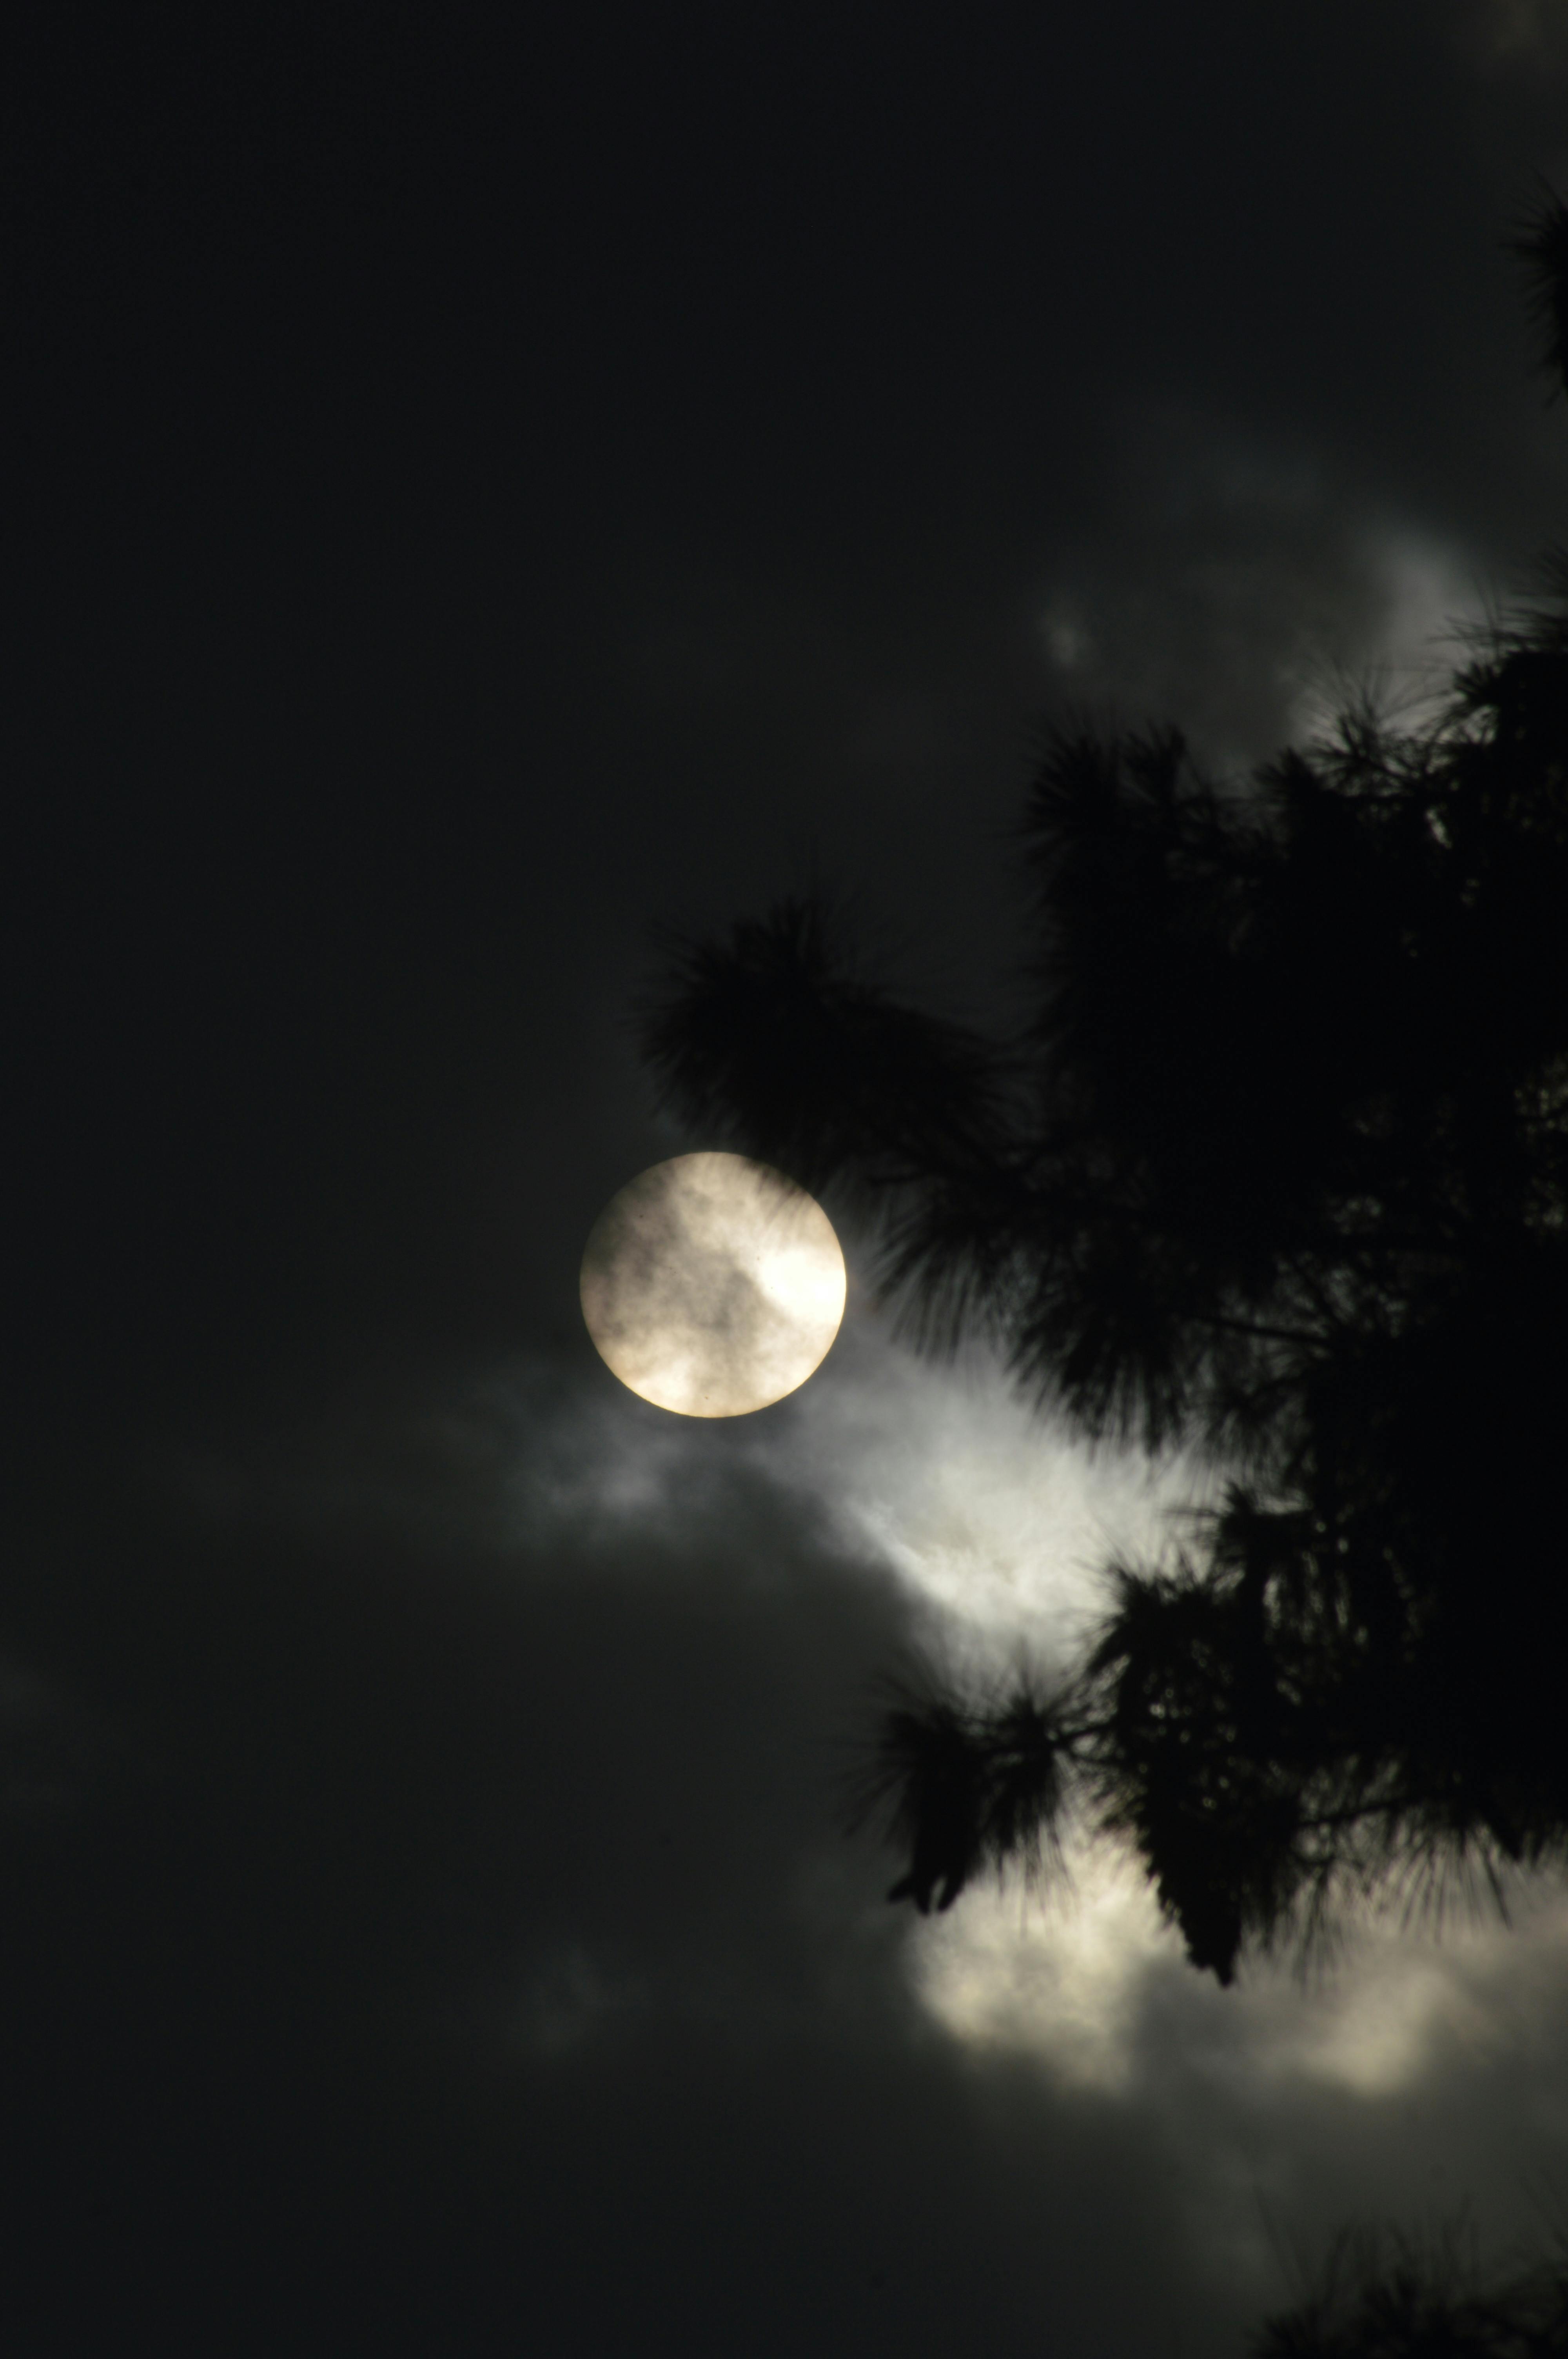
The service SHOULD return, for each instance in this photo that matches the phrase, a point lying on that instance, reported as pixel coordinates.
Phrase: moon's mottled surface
(712, 1285)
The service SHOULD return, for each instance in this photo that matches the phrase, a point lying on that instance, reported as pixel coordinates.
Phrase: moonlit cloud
(1066, 1973)
(1052, 1977)
(994, 1528)
(700, 1610)
(997, 1524)
(1426, 603)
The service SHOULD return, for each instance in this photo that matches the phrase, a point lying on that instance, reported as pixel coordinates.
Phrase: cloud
(1531, 34)
(624, 1919)
(1418, 623)
(1245, 587)
(1052, 1976)
(482, 1910)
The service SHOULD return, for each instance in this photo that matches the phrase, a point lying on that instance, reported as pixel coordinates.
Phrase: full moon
(712, 1285)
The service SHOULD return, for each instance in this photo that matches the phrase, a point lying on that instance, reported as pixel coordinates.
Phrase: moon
(712, 1285)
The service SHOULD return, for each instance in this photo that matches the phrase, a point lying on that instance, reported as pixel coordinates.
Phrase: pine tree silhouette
(1279, 1167)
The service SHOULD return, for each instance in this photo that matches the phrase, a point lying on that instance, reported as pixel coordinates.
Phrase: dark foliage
(1410, 2300)
(1541, 245)
(1277, 1167)
(771, 1037)
(966, 1785)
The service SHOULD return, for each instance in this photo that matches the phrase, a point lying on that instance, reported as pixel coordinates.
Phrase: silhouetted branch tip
(964, 1787)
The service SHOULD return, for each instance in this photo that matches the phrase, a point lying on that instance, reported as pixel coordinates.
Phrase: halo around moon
(712, 1285)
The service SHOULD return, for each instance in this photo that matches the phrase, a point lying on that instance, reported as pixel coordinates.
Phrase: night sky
(479, 488)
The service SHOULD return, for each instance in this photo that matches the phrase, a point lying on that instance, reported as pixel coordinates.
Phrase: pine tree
(1277, 1168)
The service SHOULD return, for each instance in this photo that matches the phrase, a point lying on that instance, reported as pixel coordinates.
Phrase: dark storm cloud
(483, 486)
(465, 1941)
(460, 1933)
(486, 1834)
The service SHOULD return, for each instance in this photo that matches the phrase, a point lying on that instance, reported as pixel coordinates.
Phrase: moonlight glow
(712, 1285)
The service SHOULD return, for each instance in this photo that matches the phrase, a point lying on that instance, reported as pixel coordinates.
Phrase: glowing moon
(712, 1285)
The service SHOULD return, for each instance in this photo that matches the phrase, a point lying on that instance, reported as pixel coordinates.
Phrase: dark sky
(479, 486)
